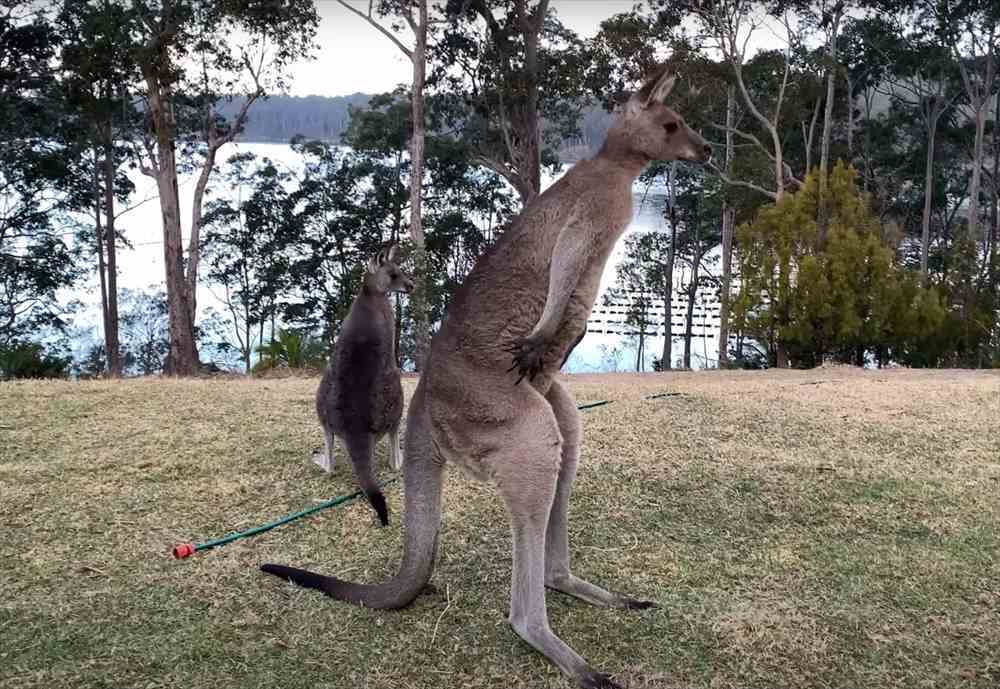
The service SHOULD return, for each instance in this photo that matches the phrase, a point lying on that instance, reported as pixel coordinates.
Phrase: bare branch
(381, 29)
(741, 183)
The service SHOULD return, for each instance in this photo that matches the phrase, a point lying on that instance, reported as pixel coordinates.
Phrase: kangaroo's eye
(671, 127)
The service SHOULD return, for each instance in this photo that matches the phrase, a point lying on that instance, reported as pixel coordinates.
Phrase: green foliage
(511, 106)
(248, 241)
(36, 260)
(846, 297)
(143, 316)
(641, 278)
(291, 350)
(31, 360)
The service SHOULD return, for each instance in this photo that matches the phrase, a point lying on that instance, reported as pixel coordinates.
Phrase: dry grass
(831, 528)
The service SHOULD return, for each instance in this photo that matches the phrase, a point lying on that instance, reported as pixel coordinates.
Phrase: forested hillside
(279, 118)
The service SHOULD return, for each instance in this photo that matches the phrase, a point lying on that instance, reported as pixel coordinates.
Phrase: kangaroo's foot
(325, 458)
(321, 459)
(597, 680)
(395, 450)
(595, 595)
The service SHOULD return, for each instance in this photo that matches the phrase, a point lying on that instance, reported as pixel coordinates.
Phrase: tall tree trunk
(113, 344)
(977, 172)
(183, 353)
(811, 137)
(666, 356)
(692, 294)
(994, 245)
(531, 29)
(692, 291)
(101, 267)
(419, 299)
(728, 222)
(925, 223)
(194, 241)
(850, 117)
(639, 348)
(824, 160)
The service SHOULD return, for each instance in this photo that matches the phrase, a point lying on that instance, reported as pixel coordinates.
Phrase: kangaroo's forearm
(570, 257)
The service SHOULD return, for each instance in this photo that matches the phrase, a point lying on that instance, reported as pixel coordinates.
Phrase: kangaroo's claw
(527, 355)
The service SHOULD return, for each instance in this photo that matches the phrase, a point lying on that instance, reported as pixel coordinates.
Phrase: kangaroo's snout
(701, 150)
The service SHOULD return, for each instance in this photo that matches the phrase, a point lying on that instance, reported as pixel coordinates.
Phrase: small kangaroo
(360, 398)
(531, 293)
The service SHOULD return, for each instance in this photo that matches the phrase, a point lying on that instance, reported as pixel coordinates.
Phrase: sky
(354, 57)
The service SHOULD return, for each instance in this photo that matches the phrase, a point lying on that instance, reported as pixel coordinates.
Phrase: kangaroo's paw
(527, 355)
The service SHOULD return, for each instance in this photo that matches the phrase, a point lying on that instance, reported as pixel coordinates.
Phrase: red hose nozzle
(183, 550)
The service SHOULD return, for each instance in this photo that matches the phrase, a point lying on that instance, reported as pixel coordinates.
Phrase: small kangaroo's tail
(423, 474)
(359, 446)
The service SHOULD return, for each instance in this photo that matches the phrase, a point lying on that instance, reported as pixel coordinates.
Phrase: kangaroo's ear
(374, 262)
(657, 88)
(393, 252)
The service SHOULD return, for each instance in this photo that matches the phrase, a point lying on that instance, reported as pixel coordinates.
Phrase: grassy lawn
(830, 528)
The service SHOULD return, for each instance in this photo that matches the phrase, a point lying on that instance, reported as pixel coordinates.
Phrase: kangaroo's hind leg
(526, 466)
(326, 458)
(395, 450)
(558, 575)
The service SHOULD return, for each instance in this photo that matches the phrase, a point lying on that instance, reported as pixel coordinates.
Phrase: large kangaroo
(532, 291)
(360, 397)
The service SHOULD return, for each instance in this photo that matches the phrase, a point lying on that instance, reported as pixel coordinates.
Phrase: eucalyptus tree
(416, 17)
(192, 55)
(247, 246)
(96, 76)
(491, 62)
(924, 79)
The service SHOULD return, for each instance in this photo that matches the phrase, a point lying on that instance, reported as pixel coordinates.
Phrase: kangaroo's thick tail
(359, 447)
(422, 483)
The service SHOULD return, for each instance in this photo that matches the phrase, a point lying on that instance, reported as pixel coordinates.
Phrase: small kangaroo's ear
(393, 252)
(375, 261)
(657, 88)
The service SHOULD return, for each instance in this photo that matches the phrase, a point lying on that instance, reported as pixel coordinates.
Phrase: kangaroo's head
(648, 128)
(384, 274)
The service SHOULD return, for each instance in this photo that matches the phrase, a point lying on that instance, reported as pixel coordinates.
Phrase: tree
(846, 297)
(97, 69)
(418, 22)
(36, 260)
(728, 231)
(728, 26)
(191, 55)
(247, 242)
(698, 212)
(490, 62)
(922, 77)
(144, 330)
(972, 29)
(640, 280)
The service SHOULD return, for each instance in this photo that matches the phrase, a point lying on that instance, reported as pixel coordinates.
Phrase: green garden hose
(184, 550)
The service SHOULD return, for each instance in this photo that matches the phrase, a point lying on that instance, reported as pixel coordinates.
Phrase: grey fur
(360, 397)
(532, 291)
